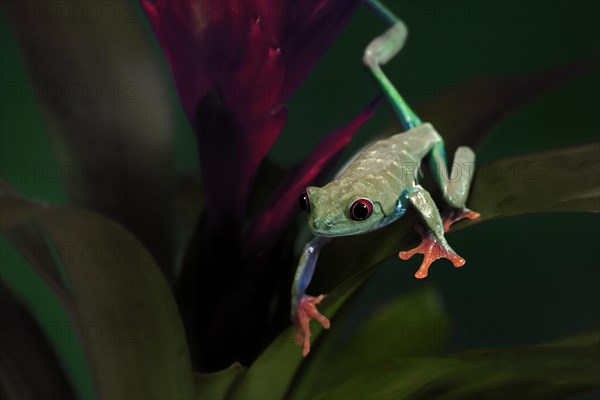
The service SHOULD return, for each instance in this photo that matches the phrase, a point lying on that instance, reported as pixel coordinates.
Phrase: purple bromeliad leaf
(254, 54)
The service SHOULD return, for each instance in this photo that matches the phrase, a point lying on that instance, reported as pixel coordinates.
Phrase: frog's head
(336, 211)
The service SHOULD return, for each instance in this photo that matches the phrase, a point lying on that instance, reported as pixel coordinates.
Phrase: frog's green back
(387, 167)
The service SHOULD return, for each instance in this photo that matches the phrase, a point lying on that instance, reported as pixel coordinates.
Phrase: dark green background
(527, 278)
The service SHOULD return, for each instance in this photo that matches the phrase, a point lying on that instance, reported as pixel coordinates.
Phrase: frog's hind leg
(455, 186)
(379, 52)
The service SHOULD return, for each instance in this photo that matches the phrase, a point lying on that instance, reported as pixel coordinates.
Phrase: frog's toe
(305, 311)
(454, 215)
(432, 249)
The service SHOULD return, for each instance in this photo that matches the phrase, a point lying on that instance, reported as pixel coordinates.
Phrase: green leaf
(20, 210)
(29, 367)
(29, 240)
(393, 330)
(271, 375)
(557, 181)
(25, 236)
(217, 385)
(56, 319)
(129, 322)
(551, 371)
(111, 119)
(411, 325)
(554, 181)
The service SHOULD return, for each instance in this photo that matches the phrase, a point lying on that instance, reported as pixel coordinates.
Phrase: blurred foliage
(119, 290)
(122, 163)
(548, 371)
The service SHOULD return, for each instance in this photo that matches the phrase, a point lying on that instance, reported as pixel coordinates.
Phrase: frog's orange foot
(305, 311)
(454, 215)
(432, 249)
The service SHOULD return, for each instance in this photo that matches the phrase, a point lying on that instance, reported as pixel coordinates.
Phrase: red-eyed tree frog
(378, 186)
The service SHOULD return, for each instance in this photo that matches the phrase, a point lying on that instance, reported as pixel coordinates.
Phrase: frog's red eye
(304, 203)
(361, 209)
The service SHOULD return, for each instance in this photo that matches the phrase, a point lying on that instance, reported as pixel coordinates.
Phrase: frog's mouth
(323, 228)
(331, 229)
(320, 229)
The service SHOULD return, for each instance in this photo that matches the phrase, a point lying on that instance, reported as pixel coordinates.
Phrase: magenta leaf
(255, 54)
(225, 161)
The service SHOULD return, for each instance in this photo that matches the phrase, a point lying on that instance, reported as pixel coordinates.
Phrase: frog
(378, 186)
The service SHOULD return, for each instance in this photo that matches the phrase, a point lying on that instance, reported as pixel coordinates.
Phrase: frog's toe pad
(432, 249)
(455, 215)
(305, 311)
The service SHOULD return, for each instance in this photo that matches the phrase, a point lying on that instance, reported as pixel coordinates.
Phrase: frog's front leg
(304, 307)
(433, 245)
